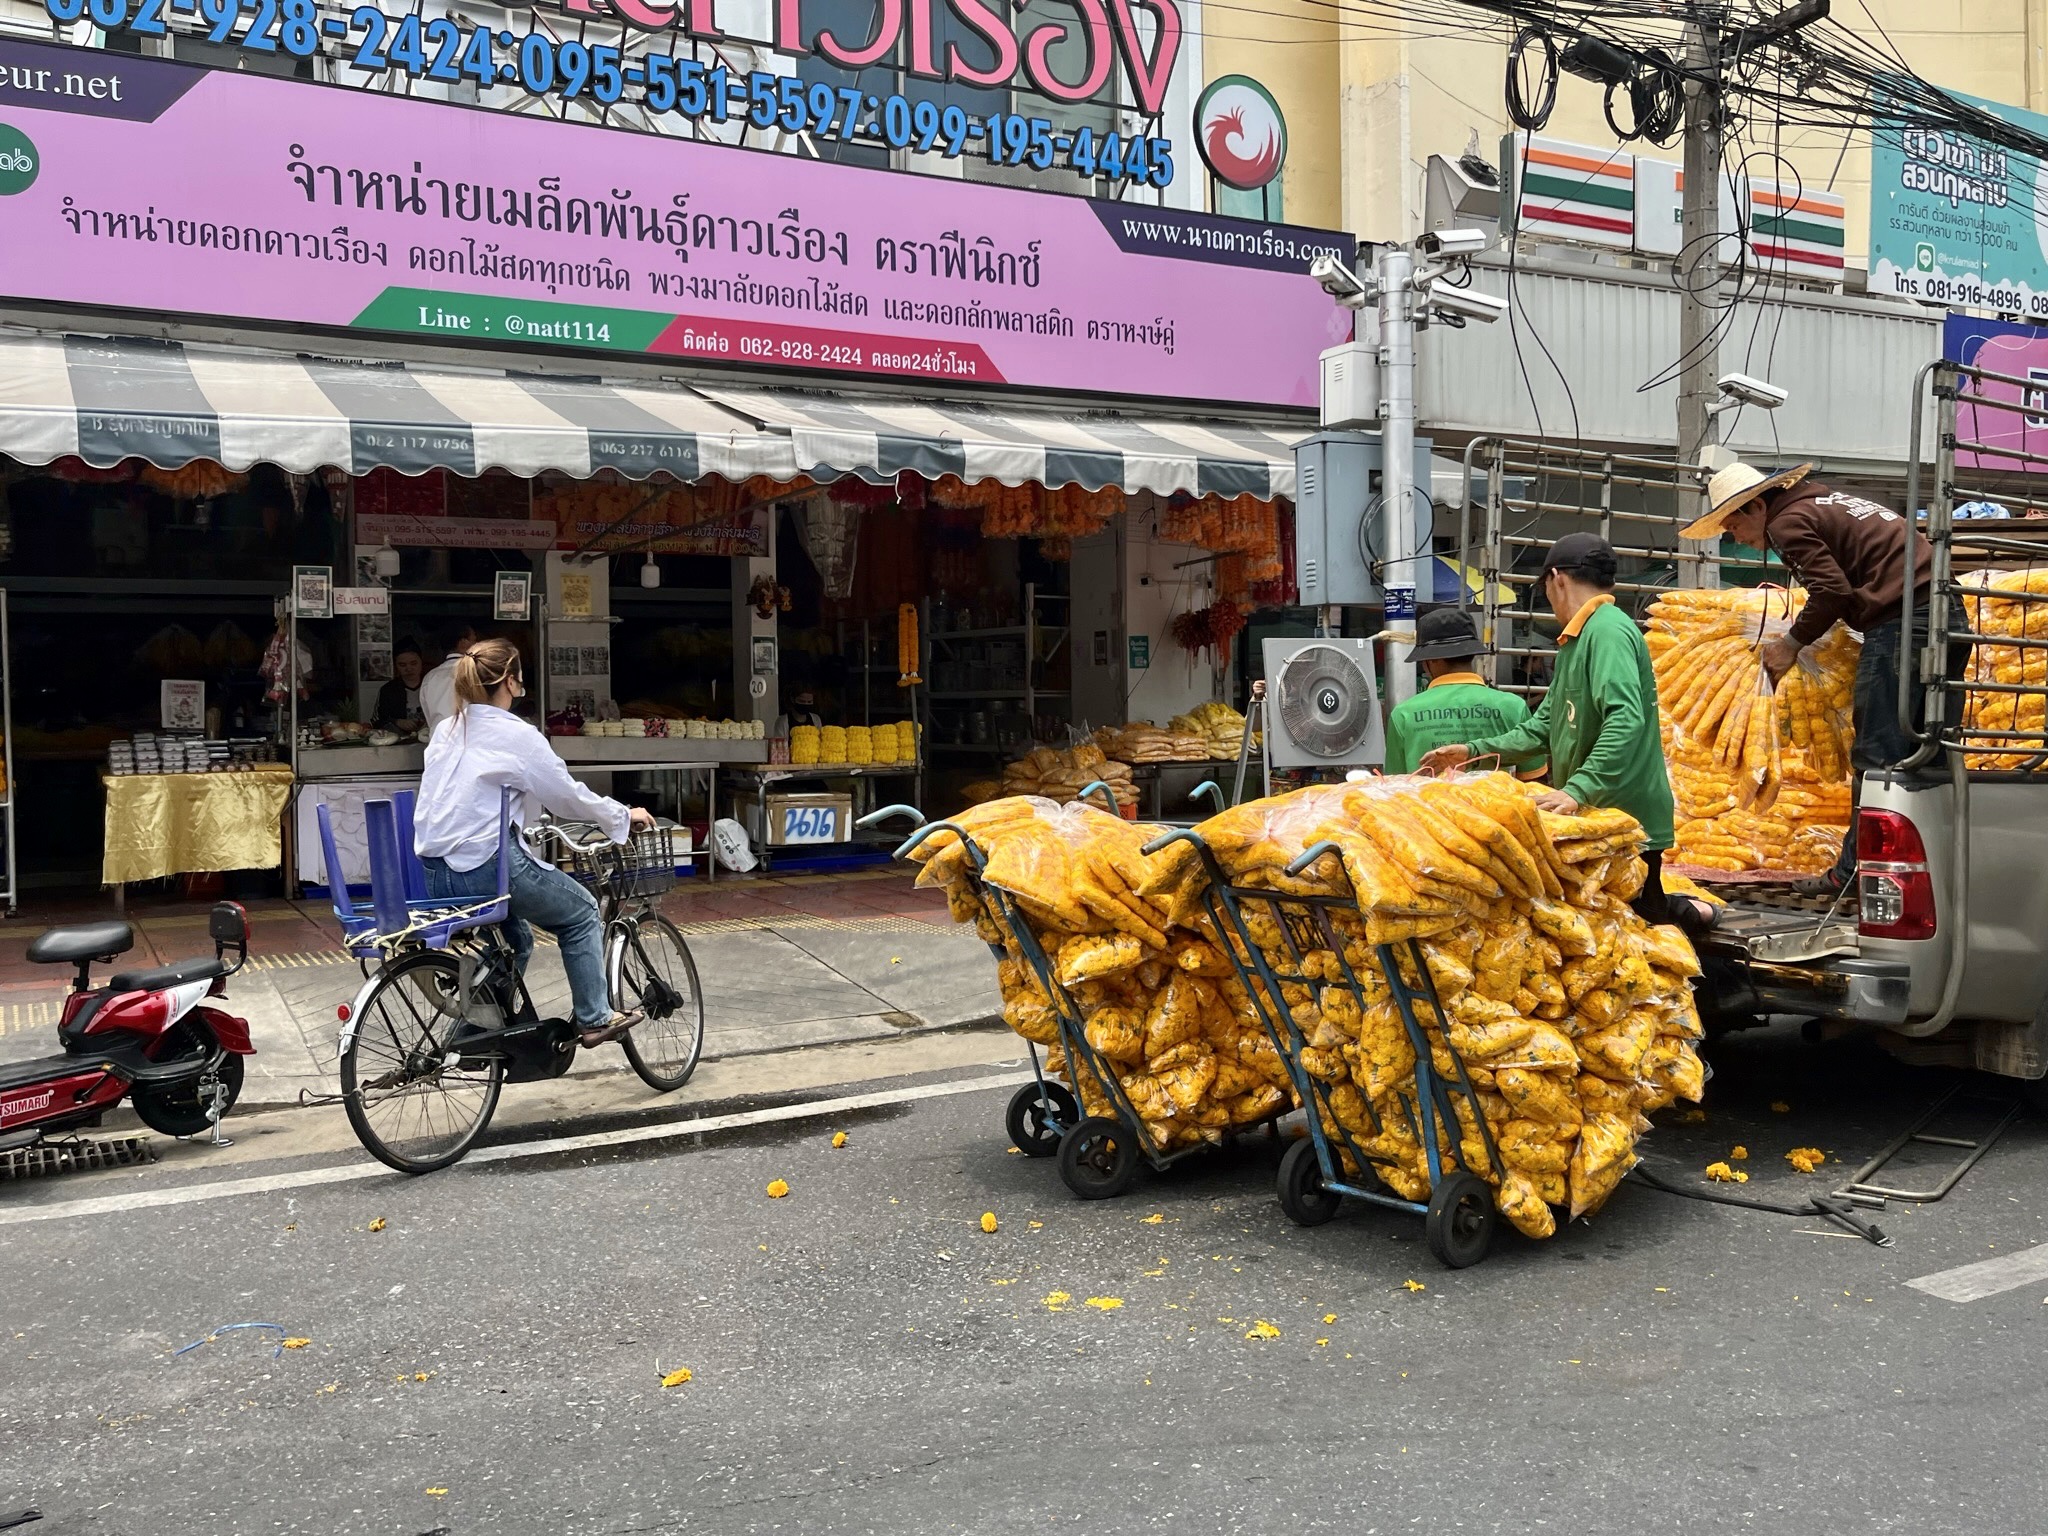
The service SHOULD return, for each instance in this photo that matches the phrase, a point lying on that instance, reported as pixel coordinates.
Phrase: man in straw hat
(1598, 722)
(1850, 555)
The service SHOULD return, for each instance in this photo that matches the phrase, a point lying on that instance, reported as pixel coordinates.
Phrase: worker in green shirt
(1598, 723)
(1457, 706)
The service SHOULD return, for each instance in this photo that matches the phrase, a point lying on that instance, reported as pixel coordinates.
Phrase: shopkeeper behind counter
(398, 701)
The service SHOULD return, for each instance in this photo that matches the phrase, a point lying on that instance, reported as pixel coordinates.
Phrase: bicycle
(446, 1020)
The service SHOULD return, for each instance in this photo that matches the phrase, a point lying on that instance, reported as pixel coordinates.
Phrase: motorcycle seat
(163, 976)
(80, 942)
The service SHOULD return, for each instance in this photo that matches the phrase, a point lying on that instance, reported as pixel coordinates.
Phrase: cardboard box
(796, 820)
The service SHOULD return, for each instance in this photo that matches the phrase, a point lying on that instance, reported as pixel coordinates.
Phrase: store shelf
(831, 770)
(598, 750)
(969, 746)
(1000, 693)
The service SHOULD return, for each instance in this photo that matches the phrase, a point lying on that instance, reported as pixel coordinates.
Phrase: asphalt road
(864, 1357)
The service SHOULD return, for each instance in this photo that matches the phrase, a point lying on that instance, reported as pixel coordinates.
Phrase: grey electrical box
(1338, 521)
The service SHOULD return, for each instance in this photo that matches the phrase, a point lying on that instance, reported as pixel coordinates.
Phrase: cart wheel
(1098, 1158)
(1038, 1116)
(1459, 1226)
(1303, 1195)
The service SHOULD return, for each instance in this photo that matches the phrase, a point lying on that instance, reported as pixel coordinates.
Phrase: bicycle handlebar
(592, 837)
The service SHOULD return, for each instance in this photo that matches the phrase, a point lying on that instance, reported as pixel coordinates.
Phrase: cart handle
(875, 818)
(925, 831)
(1108, 795)
(1310, 854)
(1211, 788)
(1188, 835)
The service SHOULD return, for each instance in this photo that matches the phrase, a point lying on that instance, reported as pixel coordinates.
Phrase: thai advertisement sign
(963, 43)
(311, 205)
(1955, 220)
(2015, 352)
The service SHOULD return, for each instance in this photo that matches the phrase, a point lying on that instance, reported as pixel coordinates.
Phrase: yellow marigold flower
(677, 1377)
(1739, 1155)
(839, 1138)
(1262, 1330)
(777, 1188)
(1806, 1159)
(988, 1221)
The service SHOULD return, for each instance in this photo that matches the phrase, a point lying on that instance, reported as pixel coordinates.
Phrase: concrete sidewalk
(785, 961)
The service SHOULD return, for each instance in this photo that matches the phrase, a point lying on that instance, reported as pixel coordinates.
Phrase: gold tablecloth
(187, 823)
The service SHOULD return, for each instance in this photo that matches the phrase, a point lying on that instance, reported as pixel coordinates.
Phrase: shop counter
(355, 761)
(161, 824)
(620, 752)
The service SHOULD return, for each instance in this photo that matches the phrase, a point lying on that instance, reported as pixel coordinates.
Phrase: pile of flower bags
(1572, 1017)
(1988, 709)
(1161, 1000)
(1760, 775)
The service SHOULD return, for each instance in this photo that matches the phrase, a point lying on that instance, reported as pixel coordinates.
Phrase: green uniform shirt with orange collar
(1456, 707)
(1598, 723)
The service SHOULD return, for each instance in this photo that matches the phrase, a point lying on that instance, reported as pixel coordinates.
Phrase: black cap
(1581, 554)
(1444, 634)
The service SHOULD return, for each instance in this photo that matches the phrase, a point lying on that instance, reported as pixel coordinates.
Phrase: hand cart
(1098, 1154)
(1459, 1216)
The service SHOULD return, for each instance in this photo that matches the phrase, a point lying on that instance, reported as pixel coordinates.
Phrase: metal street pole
(1700, 275)
(1395, 269)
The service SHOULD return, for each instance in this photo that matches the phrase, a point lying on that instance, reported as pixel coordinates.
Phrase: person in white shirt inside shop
(437, 688)
(480, 751)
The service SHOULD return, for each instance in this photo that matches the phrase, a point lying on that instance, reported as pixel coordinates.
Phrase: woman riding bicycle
(480, 751)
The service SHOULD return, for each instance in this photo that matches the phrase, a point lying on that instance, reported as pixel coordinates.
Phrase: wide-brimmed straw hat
(1734, 487)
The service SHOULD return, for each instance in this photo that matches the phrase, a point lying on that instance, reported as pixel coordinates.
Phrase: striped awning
(877, 438)
(104, 400)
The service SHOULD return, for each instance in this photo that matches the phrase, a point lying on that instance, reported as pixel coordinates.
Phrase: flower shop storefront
(685, 552)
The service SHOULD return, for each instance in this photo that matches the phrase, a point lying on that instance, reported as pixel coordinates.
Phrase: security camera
(1466, 303)
(1740, 389)
(1339, 281)
(1455, 242)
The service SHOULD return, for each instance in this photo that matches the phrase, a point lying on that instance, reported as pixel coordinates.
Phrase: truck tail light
(1896, 891)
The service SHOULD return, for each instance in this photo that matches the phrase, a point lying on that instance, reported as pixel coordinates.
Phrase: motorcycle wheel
(181, 1110)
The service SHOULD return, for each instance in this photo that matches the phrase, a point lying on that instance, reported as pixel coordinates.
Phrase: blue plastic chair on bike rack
(399, 904)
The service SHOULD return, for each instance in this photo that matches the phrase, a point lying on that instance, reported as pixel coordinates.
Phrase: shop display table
(192, 823)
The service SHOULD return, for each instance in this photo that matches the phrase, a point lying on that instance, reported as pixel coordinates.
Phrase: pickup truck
(1942, 946)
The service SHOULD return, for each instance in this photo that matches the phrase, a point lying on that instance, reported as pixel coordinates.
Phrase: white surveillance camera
(1455, 242)
(1338, 281)
(1741, 389)
(1466, 303)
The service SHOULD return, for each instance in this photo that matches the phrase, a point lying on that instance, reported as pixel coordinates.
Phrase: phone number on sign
(491, 59)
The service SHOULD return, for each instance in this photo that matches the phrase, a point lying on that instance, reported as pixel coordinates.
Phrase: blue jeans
(543, 895)
(1882, 739)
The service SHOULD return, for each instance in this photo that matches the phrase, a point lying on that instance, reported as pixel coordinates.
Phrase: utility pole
(1395, 271)
(1700, 275)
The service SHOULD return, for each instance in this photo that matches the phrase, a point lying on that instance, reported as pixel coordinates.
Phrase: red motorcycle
(150, 1035)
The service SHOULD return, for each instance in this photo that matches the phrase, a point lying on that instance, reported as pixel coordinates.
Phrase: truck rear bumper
(1854, 991)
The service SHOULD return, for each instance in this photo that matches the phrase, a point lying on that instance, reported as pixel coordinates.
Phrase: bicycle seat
(82, 941)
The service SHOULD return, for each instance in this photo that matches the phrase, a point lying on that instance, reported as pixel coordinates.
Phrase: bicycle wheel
(414, 1103)
(651, 970)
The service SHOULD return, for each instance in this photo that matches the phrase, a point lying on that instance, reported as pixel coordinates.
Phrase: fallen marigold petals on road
(1262, 1330)
(1739, 1155)
(1329, 1317)
(377, 1225)
(839, 1138)
(1806, 1159)
(988, 1221)
(1721, 1173)
(1414, 1285)
(1780, 1107)
(777, 1188)
(1104, 1303)
(677, 1377)
(296, 1343)
(437, 1493)
(1057, 1301)
(1153, 1220)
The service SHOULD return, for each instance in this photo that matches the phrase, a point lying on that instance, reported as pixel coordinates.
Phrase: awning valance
(877, 437)
(104, 400)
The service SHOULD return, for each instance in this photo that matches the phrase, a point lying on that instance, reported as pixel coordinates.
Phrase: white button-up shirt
(437, 693)
(472, 758)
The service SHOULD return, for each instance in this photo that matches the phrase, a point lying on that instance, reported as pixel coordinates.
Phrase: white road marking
(1987, 1277)
(194, 1194)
